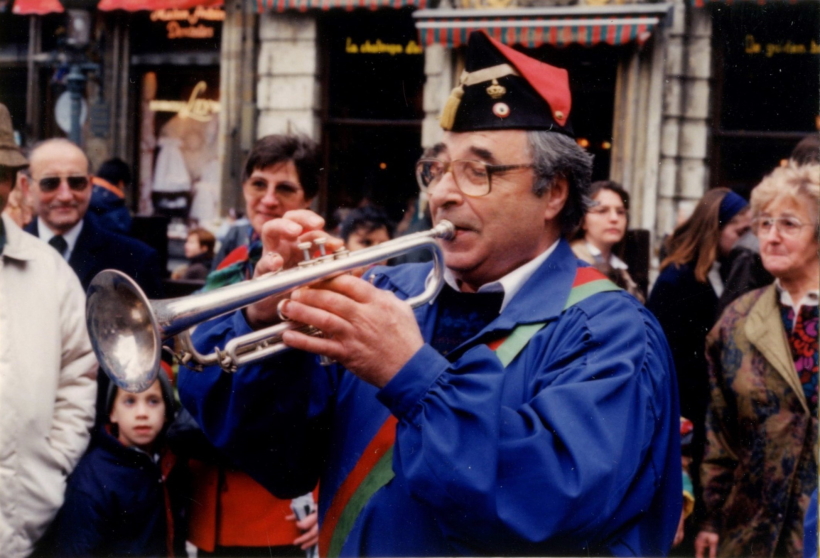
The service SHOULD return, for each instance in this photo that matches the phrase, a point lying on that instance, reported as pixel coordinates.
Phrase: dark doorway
(767, 87)
(592, 74)
(374, 81)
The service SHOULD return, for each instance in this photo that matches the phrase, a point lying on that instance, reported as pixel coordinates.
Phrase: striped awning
(702, 3)
(151, 5)
(263, 6)
(42, 7)
(614, 25)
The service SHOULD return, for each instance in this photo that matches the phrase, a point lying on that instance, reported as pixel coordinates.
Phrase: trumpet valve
(305, 248)
(320, 243)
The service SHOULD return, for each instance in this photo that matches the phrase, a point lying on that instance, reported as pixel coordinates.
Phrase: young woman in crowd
(685, 297)
(599, 240)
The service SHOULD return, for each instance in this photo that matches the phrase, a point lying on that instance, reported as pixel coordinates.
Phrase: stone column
(287, 90)
(439, 71)
(685, 129)
(237, 115)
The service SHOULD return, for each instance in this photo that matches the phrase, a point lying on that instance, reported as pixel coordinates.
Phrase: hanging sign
(195, 107)
(380, 47)
(769, 49)
(189, 24)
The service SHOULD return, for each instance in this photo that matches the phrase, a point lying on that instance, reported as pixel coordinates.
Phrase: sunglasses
(51, 183)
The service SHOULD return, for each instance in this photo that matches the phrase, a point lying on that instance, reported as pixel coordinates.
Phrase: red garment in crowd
(229, 508)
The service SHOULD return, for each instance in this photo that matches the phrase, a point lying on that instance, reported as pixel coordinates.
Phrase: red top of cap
(551, 83)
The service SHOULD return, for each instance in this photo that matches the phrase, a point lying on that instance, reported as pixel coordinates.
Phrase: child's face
(362, 238)
(192, 246)
(139, 416)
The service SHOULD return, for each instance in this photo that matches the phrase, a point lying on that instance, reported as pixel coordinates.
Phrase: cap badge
(501, 110)
(495, 90)
(448, 113)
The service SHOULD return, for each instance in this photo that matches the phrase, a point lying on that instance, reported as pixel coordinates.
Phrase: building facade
(671, 97)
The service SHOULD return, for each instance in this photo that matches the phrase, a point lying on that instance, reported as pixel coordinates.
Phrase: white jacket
(48, 386)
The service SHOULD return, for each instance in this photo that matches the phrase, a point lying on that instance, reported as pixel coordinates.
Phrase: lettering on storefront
(195, 107)
(380, 47)
(787, 47)
(189, 24)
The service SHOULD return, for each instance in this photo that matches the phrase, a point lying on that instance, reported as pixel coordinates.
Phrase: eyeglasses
(282, 190)
(473, 178)
(51, 183)
(787, 226)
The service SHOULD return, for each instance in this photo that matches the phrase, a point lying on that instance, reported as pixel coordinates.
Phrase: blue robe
(573, 449)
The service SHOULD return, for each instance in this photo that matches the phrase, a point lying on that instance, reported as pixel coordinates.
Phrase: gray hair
(556, 155)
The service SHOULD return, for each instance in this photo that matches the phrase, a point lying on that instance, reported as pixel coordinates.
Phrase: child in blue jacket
(124, 499)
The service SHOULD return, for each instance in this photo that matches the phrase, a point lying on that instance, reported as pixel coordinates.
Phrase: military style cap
(502, 89)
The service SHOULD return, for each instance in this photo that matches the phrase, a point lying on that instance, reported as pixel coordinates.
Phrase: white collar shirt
(614, 261)
(70, 237)
(511, 283)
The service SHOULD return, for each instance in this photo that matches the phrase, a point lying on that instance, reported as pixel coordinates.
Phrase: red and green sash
(375, 467)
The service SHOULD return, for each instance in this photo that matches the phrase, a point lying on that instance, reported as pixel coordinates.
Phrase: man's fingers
(283, 235)
(311, 344)
(328, 297)
(287, 229)
(349, 287)
(306, 218)
(322, 317)
(268, 263)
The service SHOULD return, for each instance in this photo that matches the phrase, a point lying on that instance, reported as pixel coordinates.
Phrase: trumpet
(127, 329)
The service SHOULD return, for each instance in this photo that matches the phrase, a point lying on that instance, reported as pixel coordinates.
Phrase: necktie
(59, 244)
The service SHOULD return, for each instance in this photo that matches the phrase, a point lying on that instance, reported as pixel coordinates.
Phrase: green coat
(760, 465)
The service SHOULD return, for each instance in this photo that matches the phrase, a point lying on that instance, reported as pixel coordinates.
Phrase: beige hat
(10, 154)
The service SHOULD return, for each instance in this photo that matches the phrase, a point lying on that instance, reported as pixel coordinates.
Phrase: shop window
(175, 59)
(178, 158)
(767, 87)
(592, 75)
(373, 83)
(13, 52)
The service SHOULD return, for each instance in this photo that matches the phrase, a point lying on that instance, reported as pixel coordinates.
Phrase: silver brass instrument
(127, 329)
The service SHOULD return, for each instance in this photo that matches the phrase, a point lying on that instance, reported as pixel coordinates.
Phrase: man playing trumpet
(530, 409)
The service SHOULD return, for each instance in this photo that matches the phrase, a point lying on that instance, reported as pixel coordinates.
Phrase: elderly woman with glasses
(760, 465)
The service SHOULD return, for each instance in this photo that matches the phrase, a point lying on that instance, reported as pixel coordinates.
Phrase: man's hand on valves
(369, 331)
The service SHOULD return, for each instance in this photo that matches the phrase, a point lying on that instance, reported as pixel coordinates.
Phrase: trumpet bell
(124, 332)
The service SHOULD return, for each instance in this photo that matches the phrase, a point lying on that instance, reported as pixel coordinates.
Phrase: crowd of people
(541, 404)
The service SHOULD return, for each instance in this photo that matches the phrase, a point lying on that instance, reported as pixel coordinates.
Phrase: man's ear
(556, 197)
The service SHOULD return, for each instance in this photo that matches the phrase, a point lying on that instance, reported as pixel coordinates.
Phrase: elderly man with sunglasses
(59, 182)
(47, 372)
(59, 179)
(529, 409)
